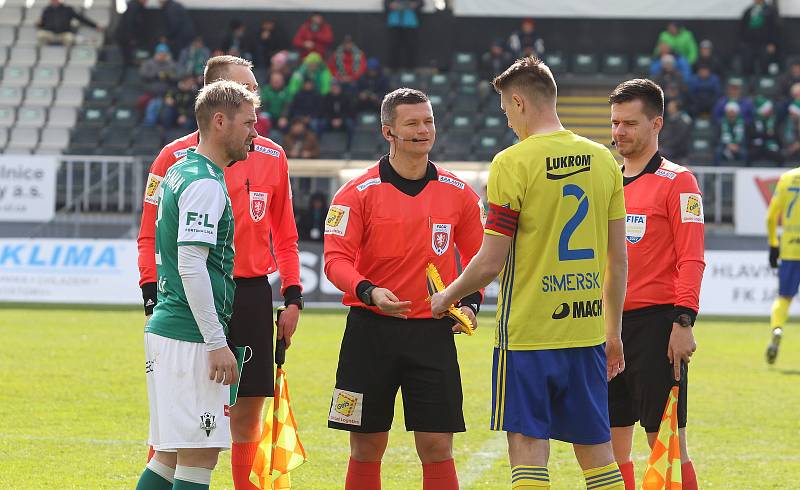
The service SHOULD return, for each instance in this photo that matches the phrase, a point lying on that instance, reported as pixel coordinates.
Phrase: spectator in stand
(788, 79)
(300, 142)
(732, 139)
(679, 62)
(347, 63)
(765, 143)
(402, 21)
(733, 93)
(131, 33)
(526, 41)
(311, 223)
(338, 111)
(178, 25)
(178, 108)
(159, 74)
(372, 87)
(275, 101)
(271, 39)
(494, 61)
(306, 106)
(263, 124)
(670, 79)
(236, 41)
(280, 63)
(791, 129)
(314, 69)
(704, 91)
(706, 57)
(313, 36)
(55, 24)
(759, 34)
(680, 39)
(193, 58)
(676, 135)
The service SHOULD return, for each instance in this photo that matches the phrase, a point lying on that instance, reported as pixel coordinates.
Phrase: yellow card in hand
(435, 284)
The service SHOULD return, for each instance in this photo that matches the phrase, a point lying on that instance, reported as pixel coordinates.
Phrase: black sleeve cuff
(292, 292)
(683, 310)
(473, 301)
(149, 297)
(362, 286)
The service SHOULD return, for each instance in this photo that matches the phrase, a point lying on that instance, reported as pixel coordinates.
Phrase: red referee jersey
(665, 237)
(262, 203)
(376, 232)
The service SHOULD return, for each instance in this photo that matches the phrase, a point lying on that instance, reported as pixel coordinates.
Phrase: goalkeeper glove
(774, 254)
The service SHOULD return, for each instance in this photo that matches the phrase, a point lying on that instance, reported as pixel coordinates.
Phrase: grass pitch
(74, 409)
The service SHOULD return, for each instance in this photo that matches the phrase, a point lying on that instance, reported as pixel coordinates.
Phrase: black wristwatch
(683, 320)
(366, 296)
(297, 301)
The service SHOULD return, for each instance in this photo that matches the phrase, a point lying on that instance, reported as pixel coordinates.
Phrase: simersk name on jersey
(635, 227)
(582, 163)
(666, 173)
(267, 151)
(580, 281)
(368, 183)
(580, 309)
(449, 180)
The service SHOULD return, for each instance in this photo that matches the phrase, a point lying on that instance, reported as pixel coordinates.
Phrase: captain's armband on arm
(502, 219)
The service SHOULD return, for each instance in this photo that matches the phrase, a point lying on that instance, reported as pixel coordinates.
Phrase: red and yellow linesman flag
(435, 284)
(280, 450)
(664, 466)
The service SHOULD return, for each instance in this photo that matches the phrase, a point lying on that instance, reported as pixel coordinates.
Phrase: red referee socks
(689, 479)
(363, 475)
(440, 476)
(242, 456)
(627, 474)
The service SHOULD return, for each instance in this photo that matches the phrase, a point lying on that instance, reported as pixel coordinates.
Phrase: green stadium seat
(493, 125)
(98, 97)
(486, 147)
(464, 62)
(368, 120)
(10, 96)
(438, 103)
(556, 62)
(584, 64)
(46, 76)
(462, 122)
(16, 76)
(92, 117)
(703, 129)
(39, 97)
(615, 64)
(123, 117)
(7, 116)
(467, 84)
(641, 64)
(405, 79)
(465, 105)
(702, 151)
(105, 76)
(766, 87)
(31, 117)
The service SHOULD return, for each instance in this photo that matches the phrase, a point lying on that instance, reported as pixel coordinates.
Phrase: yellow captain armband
(435, 284)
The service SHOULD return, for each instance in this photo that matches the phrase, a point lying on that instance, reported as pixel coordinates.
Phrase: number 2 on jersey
(564, 252)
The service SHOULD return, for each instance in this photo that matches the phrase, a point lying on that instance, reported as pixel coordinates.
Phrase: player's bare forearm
(482, 269)
(616, 277)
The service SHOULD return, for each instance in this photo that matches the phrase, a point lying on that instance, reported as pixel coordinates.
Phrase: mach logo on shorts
(346, 407)
(208, 422)
(580, 309)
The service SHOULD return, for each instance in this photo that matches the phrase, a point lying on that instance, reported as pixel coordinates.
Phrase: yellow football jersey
(784, 207)
(562, 189)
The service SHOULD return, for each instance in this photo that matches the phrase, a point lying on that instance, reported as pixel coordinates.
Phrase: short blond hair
(530, 75)
(222, 96)
(217, 67)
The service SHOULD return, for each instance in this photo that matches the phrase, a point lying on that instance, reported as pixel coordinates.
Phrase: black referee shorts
(380, 354)
(640, 393)
(251, 325)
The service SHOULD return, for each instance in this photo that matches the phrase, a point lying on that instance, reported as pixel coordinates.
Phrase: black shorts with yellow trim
(380, 354)
(251, 325)
(639, 394)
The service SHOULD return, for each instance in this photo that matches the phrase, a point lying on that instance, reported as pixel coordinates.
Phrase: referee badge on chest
(440, 238)
(258, 205)
(635, 226)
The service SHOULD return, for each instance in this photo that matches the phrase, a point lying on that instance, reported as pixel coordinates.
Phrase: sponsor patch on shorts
(336, 221)
(346, 407)
(691, 208)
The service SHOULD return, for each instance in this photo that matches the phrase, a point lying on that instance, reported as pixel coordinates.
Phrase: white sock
(201, 476)
(162, 470)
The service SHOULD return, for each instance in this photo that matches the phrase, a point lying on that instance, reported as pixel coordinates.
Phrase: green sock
(150, 480)
(187, 485)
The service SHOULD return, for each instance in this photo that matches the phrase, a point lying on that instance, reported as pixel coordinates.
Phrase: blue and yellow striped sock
(524, 477)
(606, 478)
